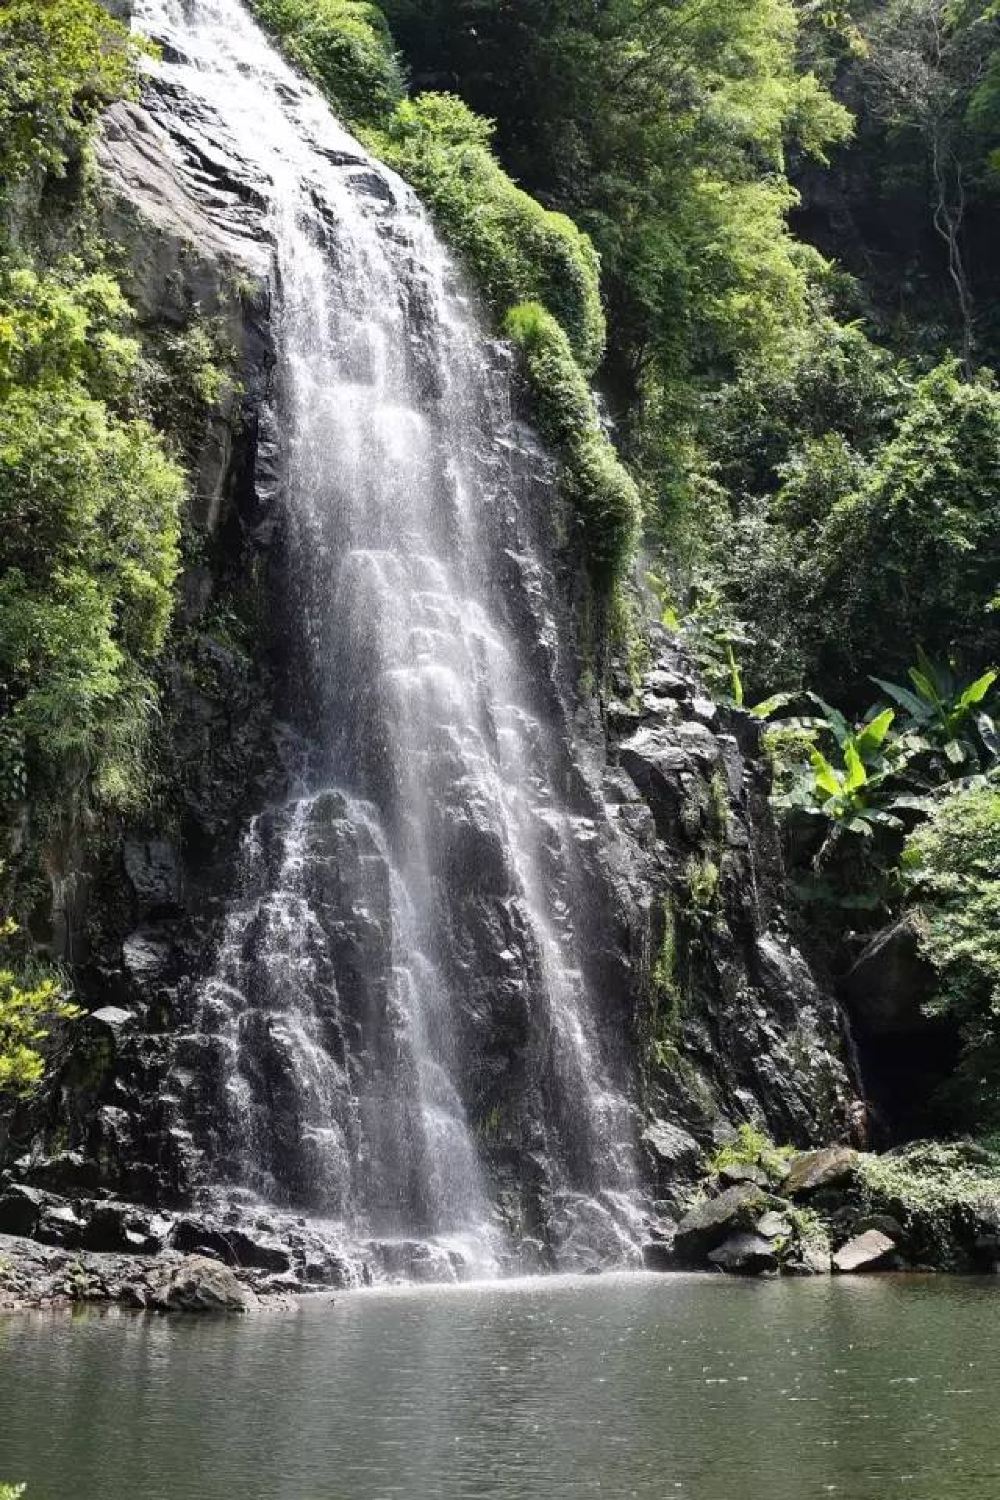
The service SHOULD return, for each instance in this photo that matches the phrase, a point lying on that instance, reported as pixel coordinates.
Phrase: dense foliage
(345, 45)
(953, 863)
(90, 499)
(32, 1002)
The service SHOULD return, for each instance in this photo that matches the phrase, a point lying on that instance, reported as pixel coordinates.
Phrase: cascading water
(405, 1029)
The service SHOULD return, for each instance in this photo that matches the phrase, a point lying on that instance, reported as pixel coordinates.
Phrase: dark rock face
(735, 1024)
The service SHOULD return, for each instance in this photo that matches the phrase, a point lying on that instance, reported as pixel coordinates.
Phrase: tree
(928, 61)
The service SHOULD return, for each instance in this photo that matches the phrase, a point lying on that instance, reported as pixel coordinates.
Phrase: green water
(691, 1387)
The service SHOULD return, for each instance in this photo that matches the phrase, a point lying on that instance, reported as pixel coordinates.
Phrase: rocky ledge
(56, 1250)
(41, 1277)
(764, 1211)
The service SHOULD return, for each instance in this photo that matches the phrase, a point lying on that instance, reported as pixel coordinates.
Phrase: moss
(516, 250)
(752, 1148)
(702, 876)
(597, 484)
(938, 1192)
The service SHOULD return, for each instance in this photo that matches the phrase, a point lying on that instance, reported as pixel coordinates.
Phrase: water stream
(404, 1024)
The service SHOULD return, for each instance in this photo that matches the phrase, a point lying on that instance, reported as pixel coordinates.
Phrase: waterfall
(408, 1036)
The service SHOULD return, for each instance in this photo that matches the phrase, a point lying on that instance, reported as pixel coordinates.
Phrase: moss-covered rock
(601, 490)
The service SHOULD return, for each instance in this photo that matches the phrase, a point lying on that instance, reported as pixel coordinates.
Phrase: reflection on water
(700, 1388)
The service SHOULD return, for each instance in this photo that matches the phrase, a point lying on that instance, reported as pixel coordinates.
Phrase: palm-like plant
(945, 715)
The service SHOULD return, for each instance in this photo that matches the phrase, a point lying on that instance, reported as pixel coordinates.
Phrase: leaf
(825, 776)
(955, 752)
(903, 697)
(769, 706)
(988, 734)
(925, 688)
(856, 776)
(835, 720)
(873, 735)
(976, 691)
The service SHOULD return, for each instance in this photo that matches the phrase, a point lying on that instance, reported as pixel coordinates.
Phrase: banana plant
(849, 794)
(942, 713)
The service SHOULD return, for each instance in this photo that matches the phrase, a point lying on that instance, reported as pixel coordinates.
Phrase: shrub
(603, 494)
(89, 509)
(516, 251)
(61, 62)
(953, 862)
(345, 46)
(30, 1005)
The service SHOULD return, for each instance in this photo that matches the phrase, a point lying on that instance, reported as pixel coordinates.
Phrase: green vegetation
(61, 61)
(516, 250)
(91, 494)
(602, 492)
(346, 47)
(31, 1004)
(953, 865)
(753, 1148)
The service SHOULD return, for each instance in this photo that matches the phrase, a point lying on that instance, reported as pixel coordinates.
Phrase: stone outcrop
(865, 1252)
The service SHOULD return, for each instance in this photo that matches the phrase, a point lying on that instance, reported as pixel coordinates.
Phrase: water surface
(692, 1387)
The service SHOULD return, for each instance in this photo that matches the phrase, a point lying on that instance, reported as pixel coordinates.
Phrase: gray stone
(866, 1252)
(741, 1171)
(745, 1255)
(113, 1017)
(774, 1226)
(716, 1219)
(810, 1259)
(674, 1151)
(829, 1167)
(200, 1285)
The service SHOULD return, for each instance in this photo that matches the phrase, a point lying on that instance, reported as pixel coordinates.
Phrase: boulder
(811, 1259)
(774, 1226)
(235, 1247)
(741, 1171)
(829, 1167)
(20, 1209)
(673, 1151)
(866, 1252)
(200, 1285)
(714, 1220)
(745, 1255)
(888, 985)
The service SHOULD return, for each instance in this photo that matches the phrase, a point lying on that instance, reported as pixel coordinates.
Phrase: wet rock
(828, 1167)
(21, 1208)
(889, 983)
(711, 1222)
(60, 1224)
(740, 1171)
(674, 1152)
(234, 1246)
(745, 1255)
(200, 1285)
(153, 873)
(810, 1259)
(774, 1226)
(866, 1252)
